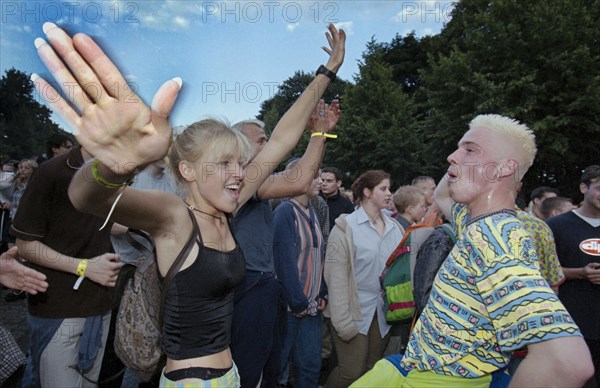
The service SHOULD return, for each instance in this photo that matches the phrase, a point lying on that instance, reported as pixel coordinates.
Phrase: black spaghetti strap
(196, 228)
(231, 224)
(187, 248)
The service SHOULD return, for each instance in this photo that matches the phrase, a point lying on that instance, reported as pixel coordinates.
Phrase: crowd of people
(281, 272)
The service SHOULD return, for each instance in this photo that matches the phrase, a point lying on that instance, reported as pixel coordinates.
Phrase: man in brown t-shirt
(68, 247)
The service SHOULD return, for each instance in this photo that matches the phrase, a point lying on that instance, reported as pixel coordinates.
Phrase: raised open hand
(325, 116)
(109, 120)
(336, 49)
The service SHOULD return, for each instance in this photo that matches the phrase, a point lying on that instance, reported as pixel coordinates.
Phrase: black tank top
(199, 304)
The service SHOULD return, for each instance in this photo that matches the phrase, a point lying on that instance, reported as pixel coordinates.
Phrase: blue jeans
(303, 344)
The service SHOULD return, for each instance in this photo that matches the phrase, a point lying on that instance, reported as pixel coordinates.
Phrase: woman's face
(25, 170)
(218, 181)
(380, 196)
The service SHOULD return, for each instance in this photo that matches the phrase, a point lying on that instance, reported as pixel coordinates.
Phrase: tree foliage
(377, 128)
(24, 123)
(274, 108)
(537, 61)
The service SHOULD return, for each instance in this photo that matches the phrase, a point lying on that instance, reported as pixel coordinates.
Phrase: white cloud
(149, 19)
(292, 26)
(12, 27)
(167, 15)
(18, 28)
(181, 21)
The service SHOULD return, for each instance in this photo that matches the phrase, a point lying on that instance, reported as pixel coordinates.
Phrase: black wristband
(326, 72)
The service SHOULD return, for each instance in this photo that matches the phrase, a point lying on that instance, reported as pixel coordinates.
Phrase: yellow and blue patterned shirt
(488, 299)
(543, 242)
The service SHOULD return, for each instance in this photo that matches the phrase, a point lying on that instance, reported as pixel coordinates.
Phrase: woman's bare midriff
(221, 360)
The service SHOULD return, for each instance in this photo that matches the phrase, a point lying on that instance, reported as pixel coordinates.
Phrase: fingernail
(34, 77)
(48, 26)
(38, 42)
(178, 80)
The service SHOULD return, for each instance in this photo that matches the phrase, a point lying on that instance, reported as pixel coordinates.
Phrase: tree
(408, 57)
(24, 123)
(376, 129)
(536, 61)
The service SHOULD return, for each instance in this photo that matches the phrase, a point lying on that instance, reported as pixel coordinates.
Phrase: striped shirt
(299, 255)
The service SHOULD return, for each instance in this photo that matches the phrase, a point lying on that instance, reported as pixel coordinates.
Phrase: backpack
(396, 278)
(430, 257)
(138, 328)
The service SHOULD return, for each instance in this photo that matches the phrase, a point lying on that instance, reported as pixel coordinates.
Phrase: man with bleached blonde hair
(488, 298)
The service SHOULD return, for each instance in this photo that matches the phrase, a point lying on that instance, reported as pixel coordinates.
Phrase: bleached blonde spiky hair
(521, 139)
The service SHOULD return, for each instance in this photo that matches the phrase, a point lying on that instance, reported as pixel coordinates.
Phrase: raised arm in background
(298, 179)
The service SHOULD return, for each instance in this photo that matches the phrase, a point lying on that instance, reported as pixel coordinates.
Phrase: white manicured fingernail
(34, 77)
(178, 80)
(39, 42)
(48, 26)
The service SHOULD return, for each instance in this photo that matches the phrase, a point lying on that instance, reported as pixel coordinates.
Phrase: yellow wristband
(81, 267)
(100, 179)
(325, 135)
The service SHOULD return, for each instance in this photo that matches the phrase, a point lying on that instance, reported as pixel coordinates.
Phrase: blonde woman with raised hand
(208, 159)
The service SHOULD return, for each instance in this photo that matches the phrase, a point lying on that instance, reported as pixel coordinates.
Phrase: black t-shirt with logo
(578, 244)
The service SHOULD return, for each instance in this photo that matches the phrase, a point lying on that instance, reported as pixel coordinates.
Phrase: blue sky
(231, 55)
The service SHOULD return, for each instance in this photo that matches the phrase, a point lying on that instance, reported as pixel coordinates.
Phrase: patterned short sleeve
(543, 242)
(521, 306)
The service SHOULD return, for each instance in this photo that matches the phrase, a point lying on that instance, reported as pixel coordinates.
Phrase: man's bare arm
(103, 269)
(442, 197)
(560, 362)
(590, 272)
(298, 179)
